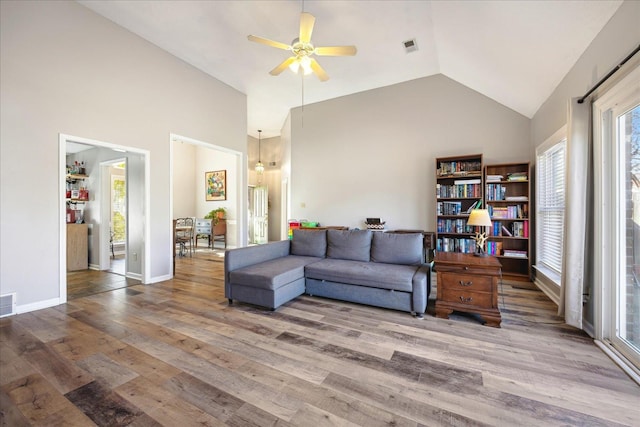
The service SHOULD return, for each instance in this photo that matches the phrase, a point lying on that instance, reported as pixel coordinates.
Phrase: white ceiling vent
(410, 45)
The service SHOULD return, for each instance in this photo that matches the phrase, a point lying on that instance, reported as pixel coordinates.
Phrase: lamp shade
(479, 217)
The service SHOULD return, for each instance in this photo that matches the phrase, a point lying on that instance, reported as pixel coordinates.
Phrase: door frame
(106, 186)
(62, 220)
(240, 188)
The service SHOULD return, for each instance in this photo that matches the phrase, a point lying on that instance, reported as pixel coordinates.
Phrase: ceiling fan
(303, 50)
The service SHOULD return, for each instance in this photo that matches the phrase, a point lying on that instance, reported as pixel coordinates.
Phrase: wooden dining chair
(219, 233)
(184, 235)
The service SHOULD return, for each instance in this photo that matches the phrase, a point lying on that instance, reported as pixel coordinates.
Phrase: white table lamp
(480, 218)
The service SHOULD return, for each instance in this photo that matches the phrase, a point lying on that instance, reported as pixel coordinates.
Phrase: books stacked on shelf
(494, 248)
(464, 189)
(515, 229)
(449, 208)
(514, 253)
(516, 199)
(517, 176)
(460, 168)
(494, 178)
(496, 191)
(508, 212)
(447, 244)
(499, 229)
(453, 226)
(520, 229)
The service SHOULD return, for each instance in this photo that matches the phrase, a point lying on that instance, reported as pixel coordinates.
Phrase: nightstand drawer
(467, 269)
(477, 299)
(466, 282)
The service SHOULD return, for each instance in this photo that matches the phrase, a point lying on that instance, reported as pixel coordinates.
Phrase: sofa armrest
(243, 257)
(250, 255)
(421, 289)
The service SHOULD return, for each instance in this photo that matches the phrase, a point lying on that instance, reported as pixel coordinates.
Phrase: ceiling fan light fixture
(305, 63)
(295, 66)
(303, 49)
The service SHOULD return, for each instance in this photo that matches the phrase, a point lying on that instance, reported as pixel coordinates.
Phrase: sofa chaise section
(270, 275)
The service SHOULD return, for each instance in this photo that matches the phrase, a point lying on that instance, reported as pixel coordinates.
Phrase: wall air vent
(7, 305)
(410, 45)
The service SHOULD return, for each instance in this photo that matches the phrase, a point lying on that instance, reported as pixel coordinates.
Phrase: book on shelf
(458, 191)
(506, 231)
(516, 198)
(494, 178)
(494, 248)
(475, 205)
(514, 253)
(517, 176)
(496, 191)
(467, 181)
(449, 208)
(460, 168)
(508, 212)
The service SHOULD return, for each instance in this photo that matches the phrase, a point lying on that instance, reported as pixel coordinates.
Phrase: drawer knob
(463, 283)
(466, 300)
(466, 267)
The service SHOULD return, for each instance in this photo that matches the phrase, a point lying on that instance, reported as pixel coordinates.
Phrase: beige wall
(616, 40)
(65, 69)
(373, 154)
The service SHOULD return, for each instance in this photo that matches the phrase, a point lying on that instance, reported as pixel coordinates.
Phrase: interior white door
(259, 214)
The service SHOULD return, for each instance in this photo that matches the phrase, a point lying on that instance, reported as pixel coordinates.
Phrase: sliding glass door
(626, 292)
(617, 118)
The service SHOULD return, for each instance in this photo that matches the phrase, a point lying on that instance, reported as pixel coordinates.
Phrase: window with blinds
(550, 196)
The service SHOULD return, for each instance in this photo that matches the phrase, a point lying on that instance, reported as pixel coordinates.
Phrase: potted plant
(216, 214)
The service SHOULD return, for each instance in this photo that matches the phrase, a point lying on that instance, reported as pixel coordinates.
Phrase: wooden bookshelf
(459, 187)
(507, 197)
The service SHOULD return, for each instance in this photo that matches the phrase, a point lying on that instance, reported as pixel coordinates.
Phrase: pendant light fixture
(259, 166)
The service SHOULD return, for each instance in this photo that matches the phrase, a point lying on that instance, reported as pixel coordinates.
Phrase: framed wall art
(215, 185)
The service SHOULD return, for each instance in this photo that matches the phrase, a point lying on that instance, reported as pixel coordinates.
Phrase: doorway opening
(114, 214)
(191, 162)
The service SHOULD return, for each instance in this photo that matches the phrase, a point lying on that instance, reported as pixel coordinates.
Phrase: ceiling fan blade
(322, 75)
(269, 42)
(336, 51)
(283, 66)
(307, 21)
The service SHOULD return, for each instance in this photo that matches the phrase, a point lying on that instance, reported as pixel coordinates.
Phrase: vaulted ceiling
(515, 52)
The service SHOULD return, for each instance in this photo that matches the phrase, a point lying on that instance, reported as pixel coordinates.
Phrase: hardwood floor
(83, 283)
(174, 353)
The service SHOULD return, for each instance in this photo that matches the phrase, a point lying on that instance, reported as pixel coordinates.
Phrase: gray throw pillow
(353, 245)
(397, 248)
(309, 243)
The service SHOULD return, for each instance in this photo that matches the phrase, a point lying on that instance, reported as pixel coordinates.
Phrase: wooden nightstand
(468, 283)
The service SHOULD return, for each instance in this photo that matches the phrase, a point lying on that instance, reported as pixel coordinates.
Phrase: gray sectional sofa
(374, 268)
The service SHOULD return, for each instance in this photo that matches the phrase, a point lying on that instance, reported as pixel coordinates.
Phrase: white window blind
(550, 185)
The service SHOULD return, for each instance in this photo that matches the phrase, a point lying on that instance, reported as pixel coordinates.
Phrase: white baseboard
(25, 308)
(547, 285)
(160, 278)
(136, 276)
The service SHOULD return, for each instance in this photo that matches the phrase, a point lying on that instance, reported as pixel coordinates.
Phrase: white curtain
(577, 252)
